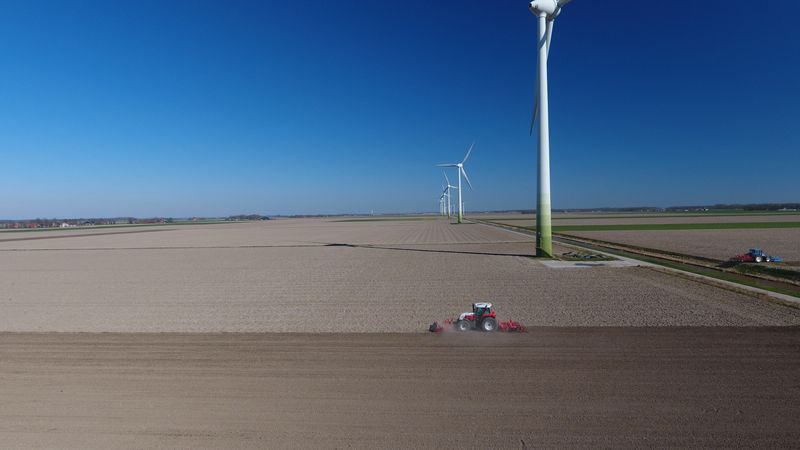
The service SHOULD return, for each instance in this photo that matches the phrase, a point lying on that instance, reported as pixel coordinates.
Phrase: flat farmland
(317, 275)
(280, 232)
(311, 334)
(715, 244)
(721, 243)
(569, 220)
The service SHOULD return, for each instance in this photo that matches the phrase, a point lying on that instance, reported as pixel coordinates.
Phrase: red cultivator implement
(512, 326)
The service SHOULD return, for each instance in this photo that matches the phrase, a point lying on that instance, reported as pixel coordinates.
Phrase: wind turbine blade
(535, 105)
(468, 152)
(563, 2)
(445, 177)
(464, 172)
(548, 35)
(446, 165)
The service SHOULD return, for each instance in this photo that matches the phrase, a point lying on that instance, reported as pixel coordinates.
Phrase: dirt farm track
(310, 333)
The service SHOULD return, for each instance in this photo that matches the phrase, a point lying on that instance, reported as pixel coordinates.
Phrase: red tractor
(481, 318)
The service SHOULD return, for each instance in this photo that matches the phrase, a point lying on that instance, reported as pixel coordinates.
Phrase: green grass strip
(775, 272)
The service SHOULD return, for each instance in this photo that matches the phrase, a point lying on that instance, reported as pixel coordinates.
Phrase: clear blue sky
(180, 108)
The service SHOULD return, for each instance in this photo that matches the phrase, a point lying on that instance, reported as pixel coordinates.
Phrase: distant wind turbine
(449, 186)
(546, 11)
(461, 171)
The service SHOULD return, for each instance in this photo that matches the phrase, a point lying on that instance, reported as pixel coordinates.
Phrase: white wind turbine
(461, 171)
(546, 11)
(449, 186)
(443, 200)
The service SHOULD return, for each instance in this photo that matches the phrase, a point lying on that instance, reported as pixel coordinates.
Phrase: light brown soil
(551, 388)
(624, 218)
(321, 276)
(716, 244)
(283, 232)
(530, 221)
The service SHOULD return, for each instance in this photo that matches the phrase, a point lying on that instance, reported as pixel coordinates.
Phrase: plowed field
(325, 276)
(550, 388)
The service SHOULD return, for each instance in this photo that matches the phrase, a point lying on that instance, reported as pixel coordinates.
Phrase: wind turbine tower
(546, 12)
(461, 171)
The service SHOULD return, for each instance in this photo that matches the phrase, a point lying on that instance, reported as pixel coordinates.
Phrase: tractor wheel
(489, 324)
(759, 259)
(463, 325)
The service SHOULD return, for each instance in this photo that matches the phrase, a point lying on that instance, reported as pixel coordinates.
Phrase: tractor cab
(482, 309)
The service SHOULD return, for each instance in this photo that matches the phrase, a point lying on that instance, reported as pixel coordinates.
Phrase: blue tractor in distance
(756, 255)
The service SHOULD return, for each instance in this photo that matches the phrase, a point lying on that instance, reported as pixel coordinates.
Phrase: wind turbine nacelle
(549, 7)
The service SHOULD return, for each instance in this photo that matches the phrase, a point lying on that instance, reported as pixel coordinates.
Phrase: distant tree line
(105, 221)
(619, 210)
(248, 217)
(743, 207)
(62, 223)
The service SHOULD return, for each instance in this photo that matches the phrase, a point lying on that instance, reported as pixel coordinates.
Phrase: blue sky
(181, 108)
